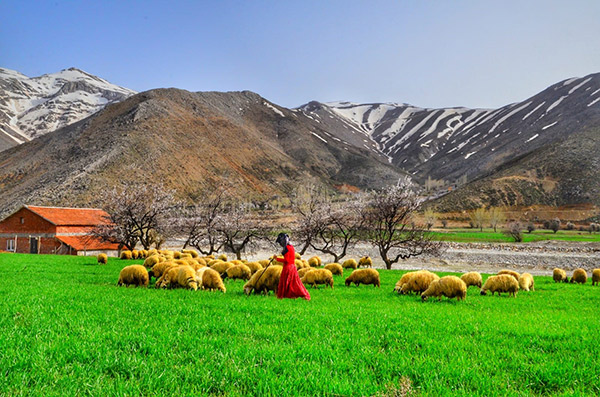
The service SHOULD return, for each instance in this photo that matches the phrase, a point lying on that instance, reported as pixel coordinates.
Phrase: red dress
(290, 285)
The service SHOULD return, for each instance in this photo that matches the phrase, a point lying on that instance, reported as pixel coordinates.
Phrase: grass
(68, 330)
(464, 235)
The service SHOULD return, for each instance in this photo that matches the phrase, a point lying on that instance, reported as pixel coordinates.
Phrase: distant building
(52, 230)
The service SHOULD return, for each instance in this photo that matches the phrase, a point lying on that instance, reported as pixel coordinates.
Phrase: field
(467, 235)
(68, 330)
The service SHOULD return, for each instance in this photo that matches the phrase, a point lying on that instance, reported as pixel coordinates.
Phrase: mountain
(450, 146)
(191, 142)
(31, 107)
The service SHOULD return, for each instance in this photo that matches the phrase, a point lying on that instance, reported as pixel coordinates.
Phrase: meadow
(67, 329)
(469, 235)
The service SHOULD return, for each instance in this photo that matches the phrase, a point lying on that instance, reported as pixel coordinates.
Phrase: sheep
(185, 256)
(242, 272)
(418, 282)
(193, 253)
(135, 254)
(151, 261)
(264, 280)
(254, 266)
(303, 271)
(176, 255)
(595, 276)
(501, 283)
(102, 259)
(159, 269)
(169, 278)
(211, 280)
(509, 272)
(403, 280)
(365, 261)
(186, 277)
(221, 268)
(559, 275)
(335, 269)
(213, 261)
(299, 264)
(297, 255)
(126, 255)
(134, 275)
(144, 254)
(364, 276)
(222, 257)
(152, 252)
(201, 261)
(314, 261)
(350, 264)
(526, 282)
(448, 286)
(579, 276)
(318, 276)
(236, 262)
(264, 262)
(472, 278)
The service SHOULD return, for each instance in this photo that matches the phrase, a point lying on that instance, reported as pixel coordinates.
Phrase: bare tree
(430, 218)
(390, 225)
(241, 228)
(496, 217)
(202, 224)
(310, 205)
(339, 226)
(479, 217)
(514, 230)
(135, 215)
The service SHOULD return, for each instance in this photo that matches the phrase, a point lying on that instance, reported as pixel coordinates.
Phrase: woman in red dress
(290, 285)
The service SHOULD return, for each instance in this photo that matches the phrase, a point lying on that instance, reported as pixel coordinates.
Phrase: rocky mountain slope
(192, 142)
(31, 107)
(455, 145)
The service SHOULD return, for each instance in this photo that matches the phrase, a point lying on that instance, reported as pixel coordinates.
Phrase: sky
(427, 53)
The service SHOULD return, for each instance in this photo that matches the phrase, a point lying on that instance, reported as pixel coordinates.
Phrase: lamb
(210, 279)
(526, 282)
(303, 271)
(350, 264)
(364, 276)
(472, 278)
(501, 283)
(221, 268)
(315, 261)
(254, 267)
(264, 283)
(559, 275)
(318, 276)
(134, 275)
(595, 276)
(579, 276)
(335, 268)
(365, 261)
(186, 277)
(509, 272)
(418, 282)
(448, 286)
(102, 259)
(403, 280)
(126, 255)
(242, 272)
(151, 261)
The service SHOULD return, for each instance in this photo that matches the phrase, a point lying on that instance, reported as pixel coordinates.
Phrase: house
(52, 230)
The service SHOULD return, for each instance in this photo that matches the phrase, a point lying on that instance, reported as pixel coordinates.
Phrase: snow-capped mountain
(31, 107)
(461, 143)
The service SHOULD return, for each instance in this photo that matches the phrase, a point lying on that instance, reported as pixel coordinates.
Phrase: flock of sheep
(186, 269)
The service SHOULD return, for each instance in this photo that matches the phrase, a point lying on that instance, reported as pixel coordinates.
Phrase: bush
(514, 230)
(444, 223)
(530, 227)
(554, 225)
(570, 226)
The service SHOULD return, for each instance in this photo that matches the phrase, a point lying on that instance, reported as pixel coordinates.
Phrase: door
(33, 245)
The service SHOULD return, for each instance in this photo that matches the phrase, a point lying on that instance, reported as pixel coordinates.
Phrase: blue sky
(427, 53)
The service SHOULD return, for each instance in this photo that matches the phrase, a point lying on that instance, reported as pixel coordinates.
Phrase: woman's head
(283, 239)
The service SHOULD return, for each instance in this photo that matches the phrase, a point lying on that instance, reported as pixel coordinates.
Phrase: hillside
(31, 107)
(192, 142)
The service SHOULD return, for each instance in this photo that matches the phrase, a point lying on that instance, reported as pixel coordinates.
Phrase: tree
(241, 228)
(496, 217)
(390, 228)
(514, 230)
(479, 218)
(554, 225)
(430, 218)
(339, 226)
(530, 227)
(202, 223)
(135, 215)
(309, 204)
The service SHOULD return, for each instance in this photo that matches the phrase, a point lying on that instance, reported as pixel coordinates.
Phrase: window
(22, 220)
(10, 245)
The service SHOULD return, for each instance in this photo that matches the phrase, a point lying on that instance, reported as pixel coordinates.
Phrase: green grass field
(66, 329)
(465, 235)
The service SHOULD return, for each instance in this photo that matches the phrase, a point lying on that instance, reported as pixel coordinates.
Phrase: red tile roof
(70, 216)
(81, 243)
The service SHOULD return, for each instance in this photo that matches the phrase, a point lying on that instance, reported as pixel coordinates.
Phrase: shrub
(514, 231)
(554, 225)
(444, 223)
(570, 226)
(530, 227)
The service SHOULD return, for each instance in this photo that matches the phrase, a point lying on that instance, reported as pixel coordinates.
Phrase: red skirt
(290, 285)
